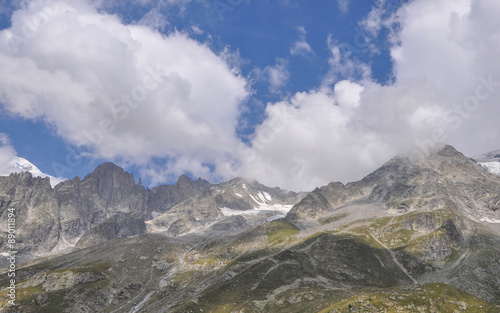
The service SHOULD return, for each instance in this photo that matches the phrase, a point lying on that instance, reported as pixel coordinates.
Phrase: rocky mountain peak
(397, 167)
(446, 160)
(202, 182)
(448, 155)
(109, 169)
(449, 151)
(184, 181)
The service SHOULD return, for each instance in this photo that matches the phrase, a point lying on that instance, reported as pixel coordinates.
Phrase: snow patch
(238, 195)
(276, 209)
(490, 220)
(267, 196)
(493, 167)
(231, 212)
(255, 200)
(261, 197)
(244, 186)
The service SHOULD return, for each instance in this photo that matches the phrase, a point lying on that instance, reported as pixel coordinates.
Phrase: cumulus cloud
(309, 140)
(446, 88)
(301, 46)
(126, 91)
(447, 50)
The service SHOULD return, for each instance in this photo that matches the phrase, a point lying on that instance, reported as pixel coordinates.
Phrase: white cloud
(127, 91)
(344, 5)
(301, 46)
(375, 20)
(309, 140)
(446, 88)
(7, 154)
(154, 19)
(197, 30)
(344, 64)
(277, 75)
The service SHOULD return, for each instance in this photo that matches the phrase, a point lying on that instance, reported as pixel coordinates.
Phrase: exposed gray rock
(230, 224)
(118, 226)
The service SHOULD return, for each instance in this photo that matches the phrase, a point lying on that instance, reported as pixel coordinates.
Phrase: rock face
(163, 198)
(35, 227)
(118, 226)
(52, 219)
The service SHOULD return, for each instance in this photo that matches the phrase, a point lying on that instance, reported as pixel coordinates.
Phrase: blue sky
(291, 93)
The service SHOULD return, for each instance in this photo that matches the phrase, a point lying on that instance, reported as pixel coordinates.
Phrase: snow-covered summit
(19, 164)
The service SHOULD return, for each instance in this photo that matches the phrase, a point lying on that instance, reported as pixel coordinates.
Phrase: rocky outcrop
(438, 245)
(162, 198)
(36, 211)
(323, 199)
(230, 224)
(62, 280)
(118, 226)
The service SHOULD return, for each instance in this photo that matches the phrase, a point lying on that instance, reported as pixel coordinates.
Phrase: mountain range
(413, 236)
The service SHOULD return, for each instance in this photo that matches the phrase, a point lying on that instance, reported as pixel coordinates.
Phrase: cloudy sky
(292, 93)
